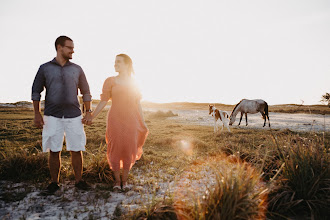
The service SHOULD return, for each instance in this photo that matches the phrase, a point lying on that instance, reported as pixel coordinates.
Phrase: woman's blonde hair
(128, 61)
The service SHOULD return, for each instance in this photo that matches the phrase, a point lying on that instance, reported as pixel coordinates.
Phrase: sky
(210, 51)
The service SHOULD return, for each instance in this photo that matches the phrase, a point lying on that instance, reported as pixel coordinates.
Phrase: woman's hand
(87, 119)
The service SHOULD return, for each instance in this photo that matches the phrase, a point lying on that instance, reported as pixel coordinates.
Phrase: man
(62, 114)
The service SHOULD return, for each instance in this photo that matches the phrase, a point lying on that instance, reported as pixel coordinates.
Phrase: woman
(126, 129)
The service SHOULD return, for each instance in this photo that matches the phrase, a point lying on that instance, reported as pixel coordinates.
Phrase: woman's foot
(117, 187)
(127, 187)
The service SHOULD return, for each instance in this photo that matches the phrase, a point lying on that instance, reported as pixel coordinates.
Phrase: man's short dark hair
(61, 41)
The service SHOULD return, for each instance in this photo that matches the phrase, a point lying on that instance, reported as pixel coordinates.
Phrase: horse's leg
(268, 120)
(240, 118)
(246, 119)
(226, 125)
(264, 117)
(214, 125)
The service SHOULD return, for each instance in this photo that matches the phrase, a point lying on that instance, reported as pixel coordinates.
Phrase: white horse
(250, 106)
(221, 115)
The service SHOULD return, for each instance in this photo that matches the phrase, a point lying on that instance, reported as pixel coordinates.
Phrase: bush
(304, 186)
(19, 165)
(237, 193)
(98, 169)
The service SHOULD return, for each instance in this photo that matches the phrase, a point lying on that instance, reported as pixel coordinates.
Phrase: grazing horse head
(231, 120)
(232, 116)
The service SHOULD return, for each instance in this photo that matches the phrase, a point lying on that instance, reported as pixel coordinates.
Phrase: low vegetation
(245, 174)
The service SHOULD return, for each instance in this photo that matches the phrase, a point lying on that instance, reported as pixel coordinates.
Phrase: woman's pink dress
(125, 133)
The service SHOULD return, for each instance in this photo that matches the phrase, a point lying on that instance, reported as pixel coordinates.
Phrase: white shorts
(55, 129)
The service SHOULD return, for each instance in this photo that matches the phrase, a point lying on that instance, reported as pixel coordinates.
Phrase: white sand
(294, 122)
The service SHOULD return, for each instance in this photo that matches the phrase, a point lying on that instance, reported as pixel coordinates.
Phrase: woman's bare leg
(117, 177)
(125, 177)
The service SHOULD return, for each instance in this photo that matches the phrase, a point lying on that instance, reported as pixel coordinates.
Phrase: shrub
(98, 169)
(19, 165)
(304, 186)
(237, 193)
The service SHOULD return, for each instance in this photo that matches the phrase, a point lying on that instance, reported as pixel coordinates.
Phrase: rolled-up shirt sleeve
(38, 85)
(84, 87)
(106, 90)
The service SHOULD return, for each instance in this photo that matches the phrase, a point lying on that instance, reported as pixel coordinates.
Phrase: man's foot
(83, 185)
(53, 187)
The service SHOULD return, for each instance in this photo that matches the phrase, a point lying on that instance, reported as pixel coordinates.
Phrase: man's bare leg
(54, 165)
(77, 164)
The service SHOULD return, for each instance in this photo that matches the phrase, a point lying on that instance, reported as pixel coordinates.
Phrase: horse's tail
(266, 109)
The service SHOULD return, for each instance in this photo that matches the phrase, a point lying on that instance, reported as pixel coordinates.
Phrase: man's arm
(37, 88)
(87, 119)
(38, 120)
(87, 98)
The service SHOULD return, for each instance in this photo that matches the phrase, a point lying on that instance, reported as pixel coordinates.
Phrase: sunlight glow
(213, 51)
(186, 147)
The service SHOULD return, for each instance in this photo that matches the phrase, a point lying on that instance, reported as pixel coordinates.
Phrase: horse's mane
(236, 106)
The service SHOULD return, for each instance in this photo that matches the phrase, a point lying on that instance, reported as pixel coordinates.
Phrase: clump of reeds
(304, 185)
(97, 167)
(19, 164)
(263, 155)
(238, 193)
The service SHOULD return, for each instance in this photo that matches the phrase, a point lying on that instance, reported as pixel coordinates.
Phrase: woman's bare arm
(99, 108)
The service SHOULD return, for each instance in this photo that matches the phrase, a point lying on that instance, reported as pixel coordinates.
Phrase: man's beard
(67, 58)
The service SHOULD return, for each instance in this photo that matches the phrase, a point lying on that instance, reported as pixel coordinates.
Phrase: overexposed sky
(182, 50)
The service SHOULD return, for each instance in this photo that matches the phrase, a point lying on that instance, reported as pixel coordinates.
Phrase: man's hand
(87, 119)
(38, 120)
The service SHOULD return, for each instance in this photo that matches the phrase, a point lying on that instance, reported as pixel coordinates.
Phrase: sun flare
(186, 147)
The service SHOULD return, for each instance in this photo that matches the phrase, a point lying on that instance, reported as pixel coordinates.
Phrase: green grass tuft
(20, 165)
(304, 186)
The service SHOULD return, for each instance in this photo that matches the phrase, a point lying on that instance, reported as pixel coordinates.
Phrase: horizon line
(176, 102)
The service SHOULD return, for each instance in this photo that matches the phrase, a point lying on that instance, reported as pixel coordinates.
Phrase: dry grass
(252, 161)
(307, 109)
(303, 188)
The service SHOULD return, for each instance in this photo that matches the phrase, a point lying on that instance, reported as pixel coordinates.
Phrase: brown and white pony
(250, 106)
(221, 115)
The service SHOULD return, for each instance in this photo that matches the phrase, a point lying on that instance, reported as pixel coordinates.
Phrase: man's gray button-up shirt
(61, 83)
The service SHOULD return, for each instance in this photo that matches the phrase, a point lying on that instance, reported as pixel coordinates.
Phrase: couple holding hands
(126, 130)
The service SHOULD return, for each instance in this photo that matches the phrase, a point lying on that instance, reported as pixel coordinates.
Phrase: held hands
(38, 120)
(87, 119)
